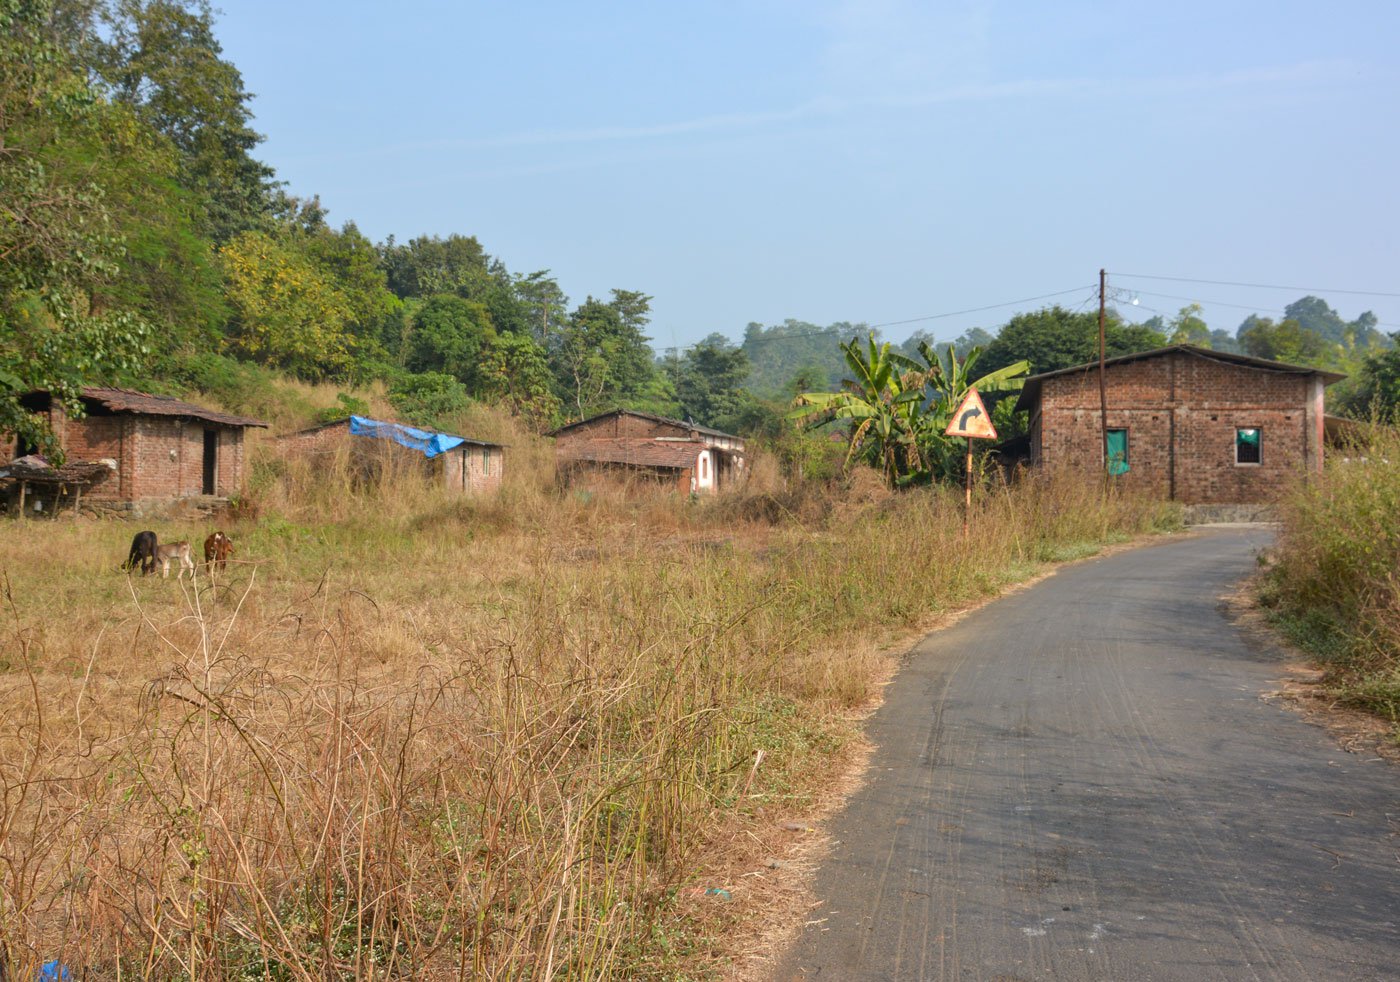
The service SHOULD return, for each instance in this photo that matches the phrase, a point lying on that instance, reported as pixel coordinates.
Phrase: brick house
(462, 464)
(163, 449)
(1184, 423)
(690, 458)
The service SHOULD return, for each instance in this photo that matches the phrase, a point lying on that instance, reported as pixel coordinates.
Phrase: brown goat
(217, 548)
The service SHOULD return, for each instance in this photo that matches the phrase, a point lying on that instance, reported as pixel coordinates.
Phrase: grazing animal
(217, 548)
(175, 552)
(143, 553)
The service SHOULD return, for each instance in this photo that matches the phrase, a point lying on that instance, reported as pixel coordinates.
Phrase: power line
(1260, 286)
(1221, 303)
(976, 310)
(833, 331)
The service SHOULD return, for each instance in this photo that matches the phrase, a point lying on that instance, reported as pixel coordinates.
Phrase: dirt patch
(1301, 688)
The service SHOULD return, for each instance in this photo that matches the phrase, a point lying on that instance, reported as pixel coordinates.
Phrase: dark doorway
(211, 461)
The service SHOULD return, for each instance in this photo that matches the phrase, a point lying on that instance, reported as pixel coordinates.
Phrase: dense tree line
(142, 242)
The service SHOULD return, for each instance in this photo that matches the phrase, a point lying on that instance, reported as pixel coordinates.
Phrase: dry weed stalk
(451, 739)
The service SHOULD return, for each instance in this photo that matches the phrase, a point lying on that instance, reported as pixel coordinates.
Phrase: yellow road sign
(971, 419)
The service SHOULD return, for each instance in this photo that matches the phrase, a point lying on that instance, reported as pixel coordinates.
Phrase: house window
(1117, 452)
(1247, 441)
(486, 461)
(704, 468)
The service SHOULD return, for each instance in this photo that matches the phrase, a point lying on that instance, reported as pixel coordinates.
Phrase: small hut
(131, 452)
(462, 464)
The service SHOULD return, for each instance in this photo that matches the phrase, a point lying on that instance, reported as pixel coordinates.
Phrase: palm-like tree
(899, 408)
(882, 400)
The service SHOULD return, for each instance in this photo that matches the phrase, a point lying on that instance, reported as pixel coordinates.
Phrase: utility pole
(1103, 386)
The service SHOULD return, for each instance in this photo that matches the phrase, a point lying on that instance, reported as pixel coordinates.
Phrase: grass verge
(1333, 586)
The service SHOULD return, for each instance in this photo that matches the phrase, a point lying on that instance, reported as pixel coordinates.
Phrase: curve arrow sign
(971, 419)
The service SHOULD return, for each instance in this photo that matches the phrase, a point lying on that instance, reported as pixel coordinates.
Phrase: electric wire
(1259, 286)
(1238, 306)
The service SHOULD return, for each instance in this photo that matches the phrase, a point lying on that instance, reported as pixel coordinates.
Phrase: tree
(709, 382)
(600, 359)
(900, 407)
(1377, 391)
(1188, 327)
(1287, 341)
(1053, 338)
(451, 335)
(60, 244)
(881, 398)
(544, 303)
(288, 311)
(161, 58)
(782, 352)
(515, 372)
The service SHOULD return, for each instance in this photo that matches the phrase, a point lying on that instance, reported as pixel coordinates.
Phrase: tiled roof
(693, 427)
(127, 401)
(638, 451)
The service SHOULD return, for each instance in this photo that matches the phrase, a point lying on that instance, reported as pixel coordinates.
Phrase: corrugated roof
(637, 451)
(693, 427)
(128, 401)
(1031, 390)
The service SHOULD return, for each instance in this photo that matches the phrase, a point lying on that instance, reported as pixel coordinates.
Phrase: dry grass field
(409, 736)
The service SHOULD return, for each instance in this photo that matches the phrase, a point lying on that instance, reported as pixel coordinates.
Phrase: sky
(879, 162)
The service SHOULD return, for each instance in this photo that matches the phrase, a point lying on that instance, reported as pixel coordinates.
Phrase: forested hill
(143, 243)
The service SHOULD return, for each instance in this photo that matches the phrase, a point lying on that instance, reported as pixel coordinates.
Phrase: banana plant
(899, 408)
(947, 379)
(883, 400)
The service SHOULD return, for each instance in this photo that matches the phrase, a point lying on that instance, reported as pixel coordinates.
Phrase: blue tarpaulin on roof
(425, 441)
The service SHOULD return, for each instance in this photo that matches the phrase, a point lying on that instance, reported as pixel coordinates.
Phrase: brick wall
(481, 475)
(1181, 412)
(325, 440)
(484, 468)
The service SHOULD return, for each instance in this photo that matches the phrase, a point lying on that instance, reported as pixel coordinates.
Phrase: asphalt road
(1080, 781)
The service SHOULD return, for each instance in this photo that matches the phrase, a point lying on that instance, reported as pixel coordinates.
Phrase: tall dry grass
(1336, 577)
(408, 735)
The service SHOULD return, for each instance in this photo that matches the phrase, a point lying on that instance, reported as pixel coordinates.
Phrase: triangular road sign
(971, 419)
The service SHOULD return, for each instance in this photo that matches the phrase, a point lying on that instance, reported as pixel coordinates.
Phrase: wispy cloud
(828, 108)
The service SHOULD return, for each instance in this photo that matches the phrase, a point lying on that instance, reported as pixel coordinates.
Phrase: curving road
(1080, 782)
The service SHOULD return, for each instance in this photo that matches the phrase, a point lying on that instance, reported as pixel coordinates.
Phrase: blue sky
(861, 161)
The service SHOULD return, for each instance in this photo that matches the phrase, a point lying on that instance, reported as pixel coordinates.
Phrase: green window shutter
(1117, 452)
(1247, 446)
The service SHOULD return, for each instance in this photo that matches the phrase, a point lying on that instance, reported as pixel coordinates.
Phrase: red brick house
(462, 464)
(163, 449)
(1185, 423)
(690, 458)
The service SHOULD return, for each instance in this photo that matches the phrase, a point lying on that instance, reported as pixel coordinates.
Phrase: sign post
(970, 420)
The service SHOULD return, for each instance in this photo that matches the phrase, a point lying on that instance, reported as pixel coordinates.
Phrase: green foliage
(1334, 581)
(796, 356)
(514, 372)
(899, 407)
(345, 407)
(60, 240)
(1053, 338)
(710, 382)
(161, 58)
(450, 335)
(289, 312)
(429, 399)
(600, 358)
(1377, 390)
(1188, 327)
(1286, 341)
